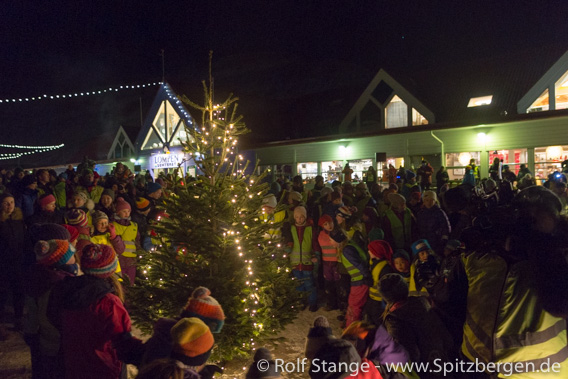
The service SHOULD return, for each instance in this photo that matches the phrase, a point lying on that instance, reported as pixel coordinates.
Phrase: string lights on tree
(214, 236)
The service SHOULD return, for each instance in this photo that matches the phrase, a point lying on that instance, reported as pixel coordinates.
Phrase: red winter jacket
(95, 328)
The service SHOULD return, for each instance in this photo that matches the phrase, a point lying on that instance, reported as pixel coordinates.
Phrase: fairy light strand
(78, 94)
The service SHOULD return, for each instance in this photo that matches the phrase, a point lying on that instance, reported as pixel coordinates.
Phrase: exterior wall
(521, 134)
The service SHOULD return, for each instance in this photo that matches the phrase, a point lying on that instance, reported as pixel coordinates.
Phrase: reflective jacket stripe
(301, 253)
(376, 268)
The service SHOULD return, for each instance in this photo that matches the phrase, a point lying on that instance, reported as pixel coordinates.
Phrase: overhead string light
(33, 150)
(78, 94)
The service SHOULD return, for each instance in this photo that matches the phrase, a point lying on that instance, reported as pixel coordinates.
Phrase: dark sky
(56, 47)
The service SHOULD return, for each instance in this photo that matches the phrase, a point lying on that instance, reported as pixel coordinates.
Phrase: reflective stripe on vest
(301, 253)
(353, 271)
(128, 234)
(328, 249)
(376, 268)
(401, 234)
(412, 291)
(505, 321)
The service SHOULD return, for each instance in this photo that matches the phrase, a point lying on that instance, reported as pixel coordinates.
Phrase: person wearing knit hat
(263, 366)
(203, 306)
(294, 197)
(73, 234)
(398, 223)
(192, 342)
(96, 298)
(77, 217)
(330, 257)
(421, 249)
(47, 213)
(104, 233)
(143, 205)
(301, 246)
(153, 190)
(381, 264)
(401, 262)
(47, 232)
(343, 212)
(269, 201)
(339, 354)
(376, 234)
(128, 231)
(55, 262)
(318, 335)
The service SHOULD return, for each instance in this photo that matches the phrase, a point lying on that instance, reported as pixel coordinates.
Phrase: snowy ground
(288, 345)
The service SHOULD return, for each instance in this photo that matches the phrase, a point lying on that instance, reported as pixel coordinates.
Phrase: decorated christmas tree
(214, 234)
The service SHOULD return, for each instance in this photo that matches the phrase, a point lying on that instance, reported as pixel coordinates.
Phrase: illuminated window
(331, 170)
(308, 170)
(541, 104)
(359, 167)
(456, 162)
(549, 160)
(396, 113)
(562, 92)
(479, 101)
(417, 118)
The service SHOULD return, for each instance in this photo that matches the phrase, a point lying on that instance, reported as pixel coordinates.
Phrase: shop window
(549, 160)
(308, 171)
(541, 104)
(512, 158)
(331, 170)
(396, 113)
(360, 167)
(456, 162)
(561, 89)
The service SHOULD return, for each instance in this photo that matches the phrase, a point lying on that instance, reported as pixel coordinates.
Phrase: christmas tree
(215, 235)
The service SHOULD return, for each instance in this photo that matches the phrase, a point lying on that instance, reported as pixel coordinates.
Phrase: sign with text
(166, 160)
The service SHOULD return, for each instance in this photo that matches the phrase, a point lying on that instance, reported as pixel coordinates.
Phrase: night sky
(57, 47)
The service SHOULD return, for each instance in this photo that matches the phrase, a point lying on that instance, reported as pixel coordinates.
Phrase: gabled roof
(121, 139)
(165, 93)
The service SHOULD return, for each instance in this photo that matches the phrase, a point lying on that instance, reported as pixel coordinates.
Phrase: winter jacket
(26, 202)
(433, 225)
(15, 247)
(95, 328)
(38, 286)
(95, 192)
(45, 217)
(356, 262)
(414, 325)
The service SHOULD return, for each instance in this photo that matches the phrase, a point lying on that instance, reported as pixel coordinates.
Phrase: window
(479, 101)
(308, 170)
(331, 170)
(562, 92)
(456, 162)
(417, 118)
(512, 158)
(153, 140)
(166, 127)
(541, 104)
(396, 113)
(548, 160)
(359, 167)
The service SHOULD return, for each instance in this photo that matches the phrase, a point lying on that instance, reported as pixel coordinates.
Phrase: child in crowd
(426, 264)
(318, 335)
(78, 219)
(106, 203)
(47, 214)
(329, 249)
(80, 200)
(401, 262)
(258, 371)
(95, 327)
(128, 232)
(381, 264)
(55, 261)
(201, 305)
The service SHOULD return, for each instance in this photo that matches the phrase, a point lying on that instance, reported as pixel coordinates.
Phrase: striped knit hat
(98, 260)
(192, 341)
(206, 308)
(53, 252)
(142, 204)
(77, 217)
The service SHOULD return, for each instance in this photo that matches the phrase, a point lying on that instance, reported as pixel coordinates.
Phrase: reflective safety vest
(400, 233)
(377, 266)
(412, 291)
(128, 234)
(506, 322)
(301, 252)
(353, 271)
(103, 239)
(328, 247)
(274, 219)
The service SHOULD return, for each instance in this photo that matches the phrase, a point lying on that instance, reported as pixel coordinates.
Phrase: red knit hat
(73, 232)
(323, 219)
(206, 308)
(44, 200)
(122, 204)
(381, 250)
(98, 260)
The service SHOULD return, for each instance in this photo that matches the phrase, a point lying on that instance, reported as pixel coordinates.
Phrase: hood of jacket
(81, 291)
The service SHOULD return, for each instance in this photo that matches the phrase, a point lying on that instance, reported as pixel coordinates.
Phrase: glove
(209, 371)
(111, 231)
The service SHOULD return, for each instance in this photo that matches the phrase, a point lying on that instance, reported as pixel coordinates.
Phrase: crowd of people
(474, 273)
(468, 274)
